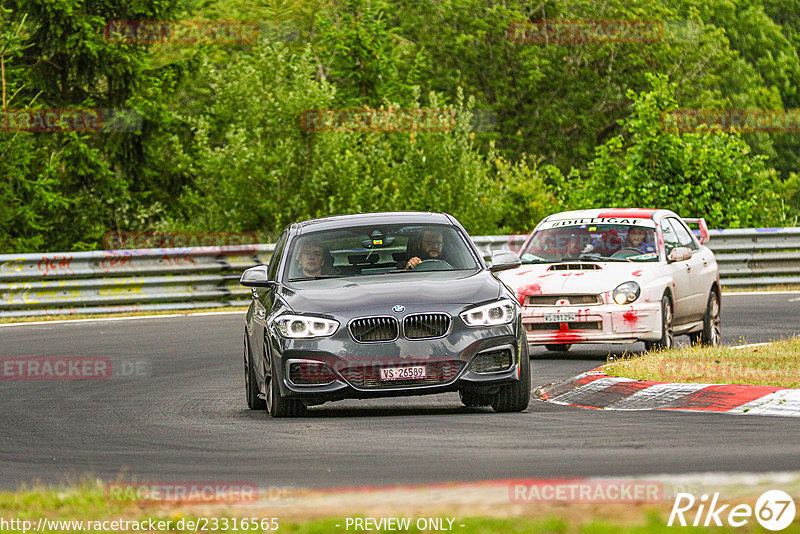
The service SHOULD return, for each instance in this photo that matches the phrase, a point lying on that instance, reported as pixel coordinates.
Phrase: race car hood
(583, 278)
(378, 294)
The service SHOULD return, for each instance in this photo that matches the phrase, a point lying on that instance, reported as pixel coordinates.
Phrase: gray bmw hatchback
(382, 304)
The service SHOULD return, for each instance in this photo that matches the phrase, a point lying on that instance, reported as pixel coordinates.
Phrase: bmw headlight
(626, 293)
(300, 326)
(496, 313)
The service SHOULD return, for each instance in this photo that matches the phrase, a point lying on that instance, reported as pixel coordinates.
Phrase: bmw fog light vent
(492, 361)
(305, 373)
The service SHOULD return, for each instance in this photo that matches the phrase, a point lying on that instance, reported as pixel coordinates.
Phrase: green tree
(704, 174)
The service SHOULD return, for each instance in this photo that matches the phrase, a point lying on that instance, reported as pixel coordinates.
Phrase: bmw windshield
(372, 250)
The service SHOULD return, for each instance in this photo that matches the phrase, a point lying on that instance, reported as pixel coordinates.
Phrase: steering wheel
(626, 249)
(433, 265)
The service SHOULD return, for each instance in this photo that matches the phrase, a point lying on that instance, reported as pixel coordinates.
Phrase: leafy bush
(708, 174)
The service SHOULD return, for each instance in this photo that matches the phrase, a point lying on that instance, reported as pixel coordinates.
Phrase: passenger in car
(314, 259)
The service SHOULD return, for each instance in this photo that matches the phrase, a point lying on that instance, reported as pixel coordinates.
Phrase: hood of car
(415, 292)
(574, 278)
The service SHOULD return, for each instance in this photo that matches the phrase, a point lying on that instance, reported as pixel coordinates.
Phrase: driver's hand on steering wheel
(413, 262)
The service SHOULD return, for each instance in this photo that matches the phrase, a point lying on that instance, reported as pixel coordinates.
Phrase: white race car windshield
(556, 242)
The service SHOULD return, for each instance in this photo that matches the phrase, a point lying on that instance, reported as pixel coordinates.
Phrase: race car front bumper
(603, 323)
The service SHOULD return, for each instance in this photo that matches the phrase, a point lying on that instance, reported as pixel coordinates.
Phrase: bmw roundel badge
(398, 308)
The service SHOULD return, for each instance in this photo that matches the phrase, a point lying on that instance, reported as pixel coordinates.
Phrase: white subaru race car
(617, 276)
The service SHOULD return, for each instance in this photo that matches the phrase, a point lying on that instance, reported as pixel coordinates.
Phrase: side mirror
(503, 260)
(256, 277)
(680, 254)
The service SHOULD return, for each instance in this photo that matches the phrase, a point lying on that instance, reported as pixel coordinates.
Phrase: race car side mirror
(680, 254)
(503, 260)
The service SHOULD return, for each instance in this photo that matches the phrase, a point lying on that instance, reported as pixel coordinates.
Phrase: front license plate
(559, 317)
(404, 373)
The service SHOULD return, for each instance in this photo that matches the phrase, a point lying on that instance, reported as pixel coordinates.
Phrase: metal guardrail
(184, 278)
(126, 280)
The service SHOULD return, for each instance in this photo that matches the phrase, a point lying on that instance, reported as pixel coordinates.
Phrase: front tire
(667, 340)
(250, 382)
(516, 397)
(279, 406)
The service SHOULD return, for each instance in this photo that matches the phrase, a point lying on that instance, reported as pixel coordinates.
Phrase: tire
(563, 347)
(474, 399)
(667, 340)
(250, 382)
(711, 334)
(516, 397)
(279, 406)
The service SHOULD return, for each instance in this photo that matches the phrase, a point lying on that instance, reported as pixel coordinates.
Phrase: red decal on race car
(533, 289)
(632, 213)
(637, 273)
(565, 335)
(631, 318)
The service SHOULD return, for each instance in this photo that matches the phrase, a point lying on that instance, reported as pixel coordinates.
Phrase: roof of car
(388, 217)
(602, 213)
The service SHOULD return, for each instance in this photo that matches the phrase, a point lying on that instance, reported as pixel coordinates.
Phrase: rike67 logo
(774, 510)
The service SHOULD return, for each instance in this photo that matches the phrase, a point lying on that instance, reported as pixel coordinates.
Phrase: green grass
(775, 364)
(87, 501)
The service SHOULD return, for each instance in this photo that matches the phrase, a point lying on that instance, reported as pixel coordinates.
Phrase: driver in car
(430, 248)
(637, 238)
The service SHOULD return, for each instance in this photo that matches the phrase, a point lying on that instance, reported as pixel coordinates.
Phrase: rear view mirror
(680, 254)
(503, 260)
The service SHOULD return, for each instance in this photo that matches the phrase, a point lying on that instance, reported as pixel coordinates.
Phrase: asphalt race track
(183, 417)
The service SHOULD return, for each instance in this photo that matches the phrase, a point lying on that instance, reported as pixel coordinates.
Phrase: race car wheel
(250, 382)
(563, 347)
(472, 398)
(667, 340)
(711, 334)
(516, 397)
(277, 405)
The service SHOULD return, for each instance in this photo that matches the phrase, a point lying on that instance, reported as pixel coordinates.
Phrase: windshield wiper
(306, 278)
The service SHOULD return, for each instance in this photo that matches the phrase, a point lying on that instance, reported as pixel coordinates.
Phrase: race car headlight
(626, 293)
(299, 326)
(496, 313)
